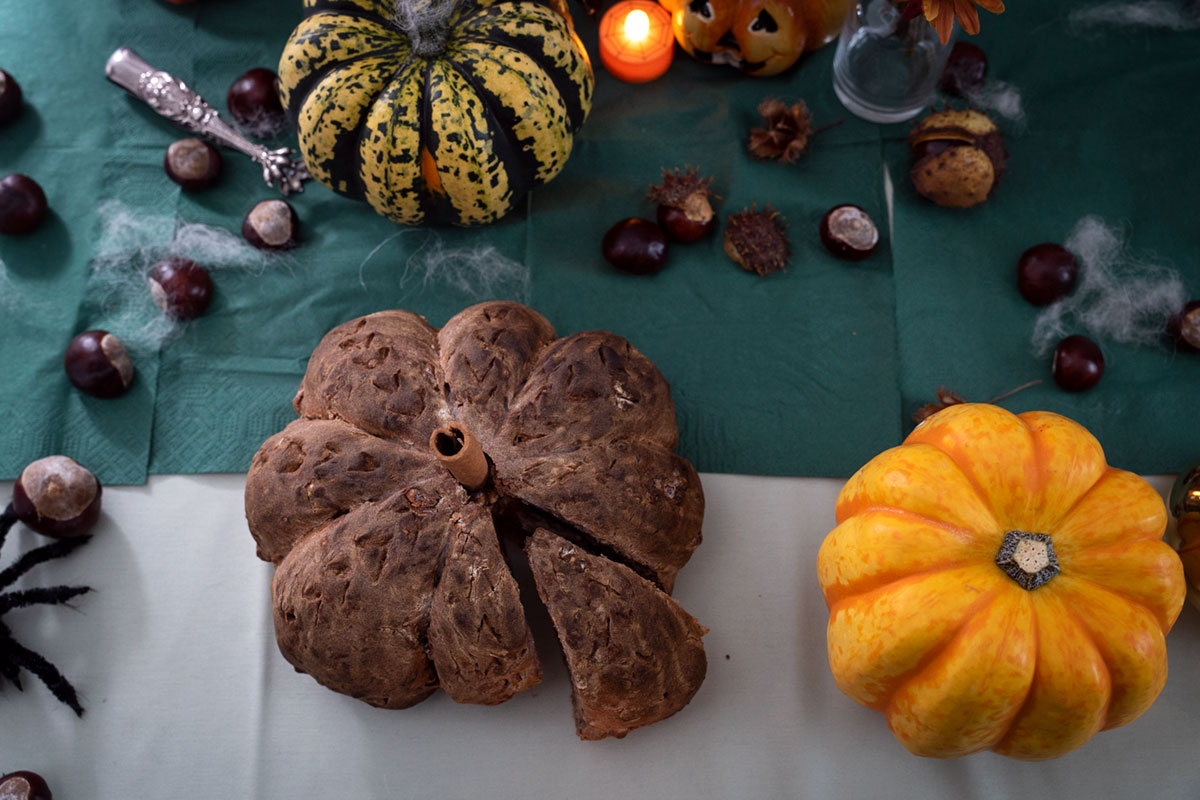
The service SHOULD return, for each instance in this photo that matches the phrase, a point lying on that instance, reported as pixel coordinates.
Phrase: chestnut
(958, 158)
(57, 496)
(10, 98)
(24, 785)
(193, 163)
(98, 364)
(636, 246)
(253, 102)
(180, 287)
(1183, 328)
(965, 70)
(1045, 273)
(271, 225)
(1078, 364)
(676, 223)
(22, 204)
(849, 233)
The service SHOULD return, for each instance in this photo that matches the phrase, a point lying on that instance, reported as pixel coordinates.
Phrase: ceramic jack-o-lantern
(759, 37)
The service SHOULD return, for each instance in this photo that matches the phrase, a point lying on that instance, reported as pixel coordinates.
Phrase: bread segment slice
(478, 638)
(634, 655)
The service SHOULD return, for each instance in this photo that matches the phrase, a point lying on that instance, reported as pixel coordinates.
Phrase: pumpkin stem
(426, 23)
(460, 452)
(1028, 558)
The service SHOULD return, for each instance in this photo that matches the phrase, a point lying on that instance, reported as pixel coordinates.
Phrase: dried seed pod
(684, 210)
(959, 157)
(757, 240)
(787, 131)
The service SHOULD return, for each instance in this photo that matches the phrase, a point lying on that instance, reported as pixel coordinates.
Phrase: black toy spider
(14, 656)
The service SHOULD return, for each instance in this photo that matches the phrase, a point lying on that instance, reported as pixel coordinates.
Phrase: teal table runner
(808, 372)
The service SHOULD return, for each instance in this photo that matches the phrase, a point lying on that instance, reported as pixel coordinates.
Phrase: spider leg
(50, 595)
(7, 520)
(48, 673)
(38, 555)
(8, 668)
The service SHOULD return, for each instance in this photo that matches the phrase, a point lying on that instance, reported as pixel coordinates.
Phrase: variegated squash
(993, 584)
(435, 111)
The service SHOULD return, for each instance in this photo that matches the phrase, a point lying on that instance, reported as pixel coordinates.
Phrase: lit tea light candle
(636, 43)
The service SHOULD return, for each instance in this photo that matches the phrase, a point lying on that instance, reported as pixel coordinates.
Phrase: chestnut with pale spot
(98, 364)
(271, 225)
(193, 163)
(57, 497)
(849, 233)
(24, 785)
(181, 288)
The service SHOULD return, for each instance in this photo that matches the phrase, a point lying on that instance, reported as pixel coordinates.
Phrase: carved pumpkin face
(759, 37)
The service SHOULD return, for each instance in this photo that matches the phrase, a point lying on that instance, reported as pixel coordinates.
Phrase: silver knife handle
(173, 99)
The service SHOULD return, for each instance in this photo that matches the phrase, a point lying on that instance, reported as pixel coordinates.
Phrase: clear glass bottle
(886, 69)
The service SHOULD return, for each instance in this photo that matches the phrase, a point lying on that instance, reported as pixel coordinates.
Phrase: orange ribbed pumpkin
(993, 584)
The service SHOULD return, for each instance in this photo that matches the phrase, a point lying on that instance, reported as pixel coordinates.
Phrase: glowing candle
(636, 43)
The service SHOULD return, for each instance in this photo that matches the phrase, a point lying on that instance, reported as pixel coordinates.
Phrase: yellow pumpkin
(759, 37)
(993, 584)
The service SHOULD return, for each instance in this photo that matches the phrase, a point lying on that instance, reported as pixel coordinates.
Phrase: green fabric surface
(809, 372)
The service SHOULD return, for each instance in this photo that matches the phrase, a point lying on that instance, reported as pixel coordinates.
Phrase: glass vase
(886, 69)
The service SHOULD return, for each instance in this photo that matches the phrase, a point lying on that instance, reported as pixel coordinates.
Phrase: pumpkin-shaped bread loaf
(994, 585)
(436, 110)
(416, 449)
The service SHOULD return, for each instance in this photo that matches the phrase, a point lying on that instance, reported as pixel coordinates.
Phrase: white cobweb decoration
(479, 272)
(1119, 297)
(999, 97)
(1172, 15)
(132, 241)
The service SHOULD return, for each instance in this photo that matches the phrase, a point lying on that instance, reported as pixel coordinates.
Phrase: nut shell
(10, 98)
(960, 177)
(959, 155)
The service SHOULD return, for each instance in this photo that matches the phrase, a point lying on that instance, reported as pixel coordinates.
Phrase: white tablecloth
(187, 696)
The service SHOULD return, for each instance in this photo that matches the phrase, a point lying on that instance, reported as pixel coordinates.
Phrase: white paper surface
(187, 697)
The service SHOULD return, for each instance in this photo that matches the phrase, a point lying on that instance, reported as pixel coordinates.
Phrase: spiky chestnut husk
(960, 158)
(787, 133)
(684, 210)
(757, 240)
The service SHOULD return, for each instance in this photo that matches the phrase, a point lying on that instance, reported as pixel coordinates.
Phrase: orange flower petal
(994, 6)
(945, 26)
(968, 17)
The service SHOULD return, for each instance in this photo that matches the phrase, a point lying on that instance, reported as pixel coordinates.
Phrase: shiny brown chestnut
(22, 204)
(958, 158)
(193, 163)
(253, 102)
(271, 225)
(849, 233)
(24, 785)
(676, 223)
(10, 98)
(965, 70)
(636, 246)
(98, 364)
(1078, 364)
(1183, 328)
(1046, 272)
(57, 496)
(180, 287)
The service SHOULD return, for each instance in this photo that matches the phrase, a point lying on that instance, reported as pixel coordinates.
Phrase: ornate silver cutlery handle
(173, 99)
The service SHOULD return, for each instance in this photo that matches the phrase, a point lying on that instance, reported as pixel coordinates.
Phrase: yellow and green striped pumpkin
(455, 135)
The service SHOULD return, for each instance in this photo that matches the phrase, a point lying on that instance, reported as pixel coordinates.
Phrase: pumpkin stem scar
(1028, 558)
(426, 23)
